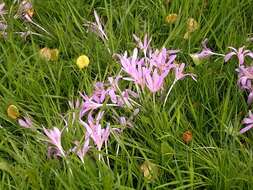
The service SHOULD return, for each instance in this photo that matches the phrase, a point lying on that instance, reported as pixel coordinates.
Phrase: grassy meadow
(217, 156)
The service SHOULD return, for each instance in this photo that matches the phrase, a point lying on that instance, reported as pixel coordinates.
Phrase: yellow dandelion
(82, 61)
(13, 112)
(192, 25)
(171, 18)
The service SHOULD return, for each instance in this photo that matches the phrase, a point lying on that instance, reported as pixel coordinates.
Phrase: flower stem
(154, 99)
(106, 151)
(173, 84)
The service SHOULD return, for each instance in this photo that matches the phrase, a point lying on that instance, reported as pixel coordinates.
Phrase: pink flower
(88, 104)
(204, 54)
(53, 152)
(113, 88)
(74, 106)
(2, 9)
(100, 136)
(240, 53)
(248, 121)
(145, 45)
(179, 69)
(154, 81)
(25, 122)
(95, 131)
(54, 137)
(96, 27)
(99, 93)
(164, 59)
(133, 67)
(81, 151)
(23, 10)
(245, 77)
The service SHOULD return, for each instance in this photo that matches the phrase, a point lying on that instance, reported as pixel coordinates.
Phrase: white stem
(154, 99)
(106, 151)
(39, 26)
(117, 150)
(219, 54)
(174, 82)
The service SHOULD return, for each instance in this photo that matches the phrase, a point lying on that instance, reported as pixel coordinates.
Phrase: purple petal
(229, 56)
(245, 129)
(250, 98)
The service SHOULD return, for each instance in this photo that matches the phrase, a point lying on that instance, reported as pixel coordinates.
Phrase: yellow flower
(192, 25)
(49, 54)
(171, 18)
(82, 61)
(13, 112)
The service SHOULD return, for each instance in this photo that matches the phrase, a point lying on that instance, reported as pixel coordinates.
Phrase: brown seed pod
(187, 136)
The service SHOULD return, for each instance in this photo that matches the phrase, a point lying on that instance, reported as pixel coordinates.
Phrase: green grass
(218, 156)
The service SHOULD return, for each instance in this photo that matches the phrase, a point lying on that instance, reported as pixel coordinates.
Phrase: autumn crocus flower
(99, 93)
(2, 9)
(248, 122)
(124, 98)
(88, 104)
(25, 10)
(245, 77)
(163, 59)
(240, 53)
(53, 152)
(54, 137)
(204, 54)
(179, 75)
(25, 122)
(133, 66)
(154, 81)
(97, 27)
(82, 150)
(3, 26)
(145, 45)
(74, 106)
(179, 72)
(98, 134)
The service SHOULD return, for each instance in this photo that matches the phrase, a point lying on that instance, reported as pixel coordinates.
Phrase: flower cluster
(144, 71)
(149, 68)
(245, 77)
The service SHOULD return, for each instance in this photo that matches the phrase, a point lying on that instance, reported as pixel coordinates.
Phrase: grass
(217, 158)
